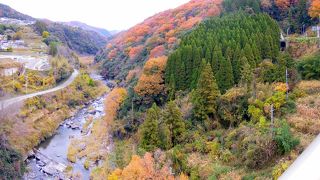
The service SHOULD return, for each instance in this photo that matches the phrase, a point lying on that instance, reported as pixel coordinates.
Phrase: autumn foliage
(159, 33)
(151, 83)
(113, 102)
(157, 51)
(282, 4)
(135, 51)
(314, 10)
(133, 74)
(142, 168)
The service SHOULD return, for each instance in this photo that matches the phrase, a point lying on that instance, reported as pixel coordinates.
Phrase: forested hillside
(202, 91)
(82, 40)
(87, 27)
(76, 38)
(154, 37)
(6, 11)
(227, 45)
(292, 15)
(215, 105)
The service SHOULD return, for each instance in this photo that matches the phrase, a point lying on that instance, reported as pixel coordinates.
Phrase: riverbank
(50, 160)
(41, 116)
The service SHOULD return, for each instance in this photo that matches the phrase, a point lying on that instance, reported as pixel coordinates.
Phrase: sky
(108, 14)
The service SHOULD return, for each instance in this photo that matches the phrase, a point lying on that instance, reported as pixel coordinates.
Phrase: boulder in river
(41, 163)
(75, 126)
(49, 169)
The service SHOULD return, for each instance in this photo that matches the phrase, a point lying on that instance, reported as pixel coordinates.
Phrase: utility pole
(132, 113)
(26, 83)
(254, 86)
(318, 36)
(287, 84)
(272, 119)
(12, 79)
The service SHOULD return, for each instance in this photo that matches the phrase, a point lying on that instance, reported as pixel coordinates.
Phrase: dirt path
(8, 102)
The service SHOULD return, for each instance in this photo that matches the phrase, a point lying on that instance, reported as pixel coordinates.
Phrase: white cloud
(109, 14)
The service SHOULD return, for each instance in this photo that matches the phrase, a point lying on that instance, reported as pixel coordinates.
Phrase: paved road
(8, 102)
(307, 164)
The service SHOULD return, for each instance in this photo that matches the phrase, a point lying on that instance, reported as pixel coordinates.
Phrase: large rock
(49, 169)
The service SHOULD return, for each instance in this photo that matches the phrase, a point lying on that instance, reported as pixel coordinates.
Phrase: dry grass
(307, 117)
(72, 151)
(309, 87)
(8, 63)
(96, 143)
(299, 49)
(86, 60)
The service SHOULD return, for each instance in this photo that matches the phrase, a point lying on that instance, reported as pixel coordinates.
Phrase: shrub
(226, 155)
(284, 138)
(45, 34)
(289, 107)
(279, 169)
(214, 149)
(17, 35)
(259, 153)
(179, 160)
(11, 164)
(53, 48)
(233, 105)
(309, 68)
(218, 170)
(9, 49)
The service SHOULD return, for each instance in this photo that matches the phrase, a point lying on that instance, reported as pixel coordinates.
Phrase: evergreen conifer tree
(246, 74)
(206, 95)
(225, 76)
(174, 123)
(150, 129)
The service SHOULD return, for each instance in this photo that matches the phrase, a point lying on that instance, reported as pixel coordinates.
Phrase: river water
(55, 148)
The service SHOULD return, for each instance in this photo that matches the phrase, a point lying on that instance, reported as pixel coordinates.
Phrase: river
(55, 148)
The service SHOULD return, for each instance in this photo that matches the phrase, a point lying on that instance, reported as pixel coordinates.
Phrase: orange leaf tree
(314, 10)
(157, 51)
(113, 102)
(142, 168)
(151, 85)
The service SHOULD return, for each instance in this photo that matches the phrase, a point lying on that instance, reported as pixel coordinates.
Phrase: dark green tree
(150, 129)
(216, 59)
(225, 76)
(205, 96)
(174, 123)
(246, 74)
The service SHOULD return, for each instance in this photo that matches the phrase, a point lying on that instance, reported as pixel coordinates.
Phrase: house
(9, 67)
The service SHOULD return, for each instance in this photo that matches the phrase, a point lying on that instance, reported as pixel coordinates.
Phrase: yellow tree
(314, 10)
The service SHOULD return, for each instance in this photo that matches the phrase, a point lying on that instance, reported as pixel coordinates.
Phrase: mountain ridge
(154, 37)
(7, 11)
(85, 26)
(83, 40)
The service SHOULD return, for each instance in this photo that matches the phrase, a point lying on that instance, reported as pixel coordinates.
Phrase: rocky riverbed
(49, 159)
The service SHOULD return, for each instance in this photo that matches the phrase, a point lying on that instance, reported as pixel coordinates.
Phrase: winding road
(8, 102)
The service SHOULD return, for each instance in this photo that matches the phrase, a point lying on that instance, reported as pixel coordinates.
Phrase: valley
(212, 89)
